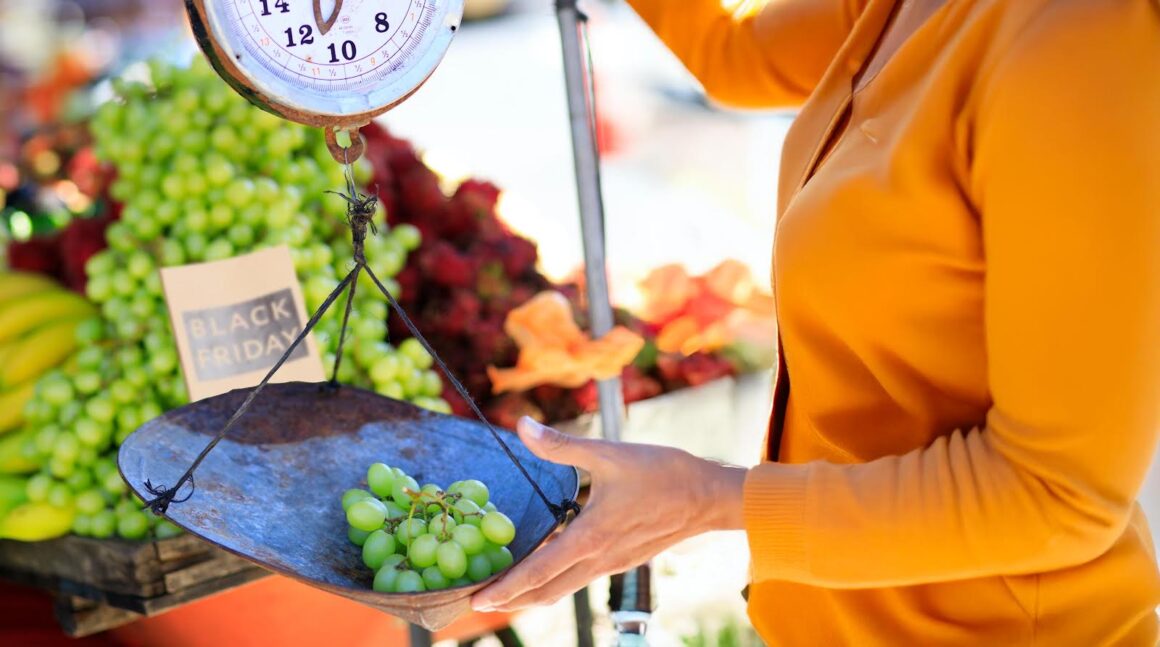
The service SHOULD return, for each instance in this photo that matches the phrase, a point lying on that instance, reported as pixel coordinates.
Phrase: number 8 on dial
(330, 63)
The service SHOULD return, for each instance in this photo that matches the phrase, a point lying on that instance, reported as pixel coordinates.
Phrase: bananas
(23, 314)
(36, 522)
(38, 321)
(36, 353)
(13, 459)
(18, 284)
(12, 405)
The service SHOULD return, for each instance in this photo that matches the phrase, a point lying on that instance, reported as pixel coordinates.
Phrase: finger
(567, 583)
(539, 568)
(551, 445)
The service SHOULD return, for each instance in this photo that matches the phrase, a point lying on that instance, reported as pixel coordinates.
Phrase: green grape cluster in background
(202, 176)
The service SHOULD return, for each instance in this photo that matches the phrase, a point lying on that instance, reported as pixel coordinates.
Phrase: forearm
(753, 54)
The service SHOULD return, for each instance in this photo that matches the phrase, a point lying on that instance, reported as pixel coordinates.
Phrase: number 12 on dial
(325, 61)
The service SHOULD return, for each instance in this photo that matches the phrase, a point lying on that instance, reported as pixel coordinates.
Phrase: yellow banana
(5, 349)
(12, 406)
(37, 352)
(36, 522)
(13, 460)
(29, 312)
(17, 284)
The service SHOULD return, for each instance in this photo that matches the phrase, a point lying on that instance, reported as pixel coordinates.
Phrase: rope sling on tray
(360, 213)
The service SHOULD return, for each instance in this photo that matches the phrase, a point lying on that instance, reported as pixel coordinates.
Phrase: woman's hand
(644, 498)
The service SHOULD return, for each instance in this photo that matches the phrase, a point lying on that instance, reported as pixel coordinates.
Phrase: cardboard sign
(233, 319)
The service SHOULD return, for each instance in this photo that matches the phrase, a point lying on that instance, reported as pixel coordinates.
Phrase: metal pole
(586, 161)
(631, 621)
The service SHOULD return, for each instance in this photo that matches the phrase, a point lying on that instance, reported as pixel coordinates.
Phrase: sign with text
(233, 319)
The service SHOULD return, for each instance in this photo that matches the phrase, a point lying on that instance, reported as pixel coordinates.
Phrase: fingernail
(484, 609)
(533, 428)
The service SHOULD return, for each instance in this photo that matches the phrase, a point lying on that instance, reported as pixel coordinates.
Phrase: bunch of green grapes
(202, 176)
(424, 538)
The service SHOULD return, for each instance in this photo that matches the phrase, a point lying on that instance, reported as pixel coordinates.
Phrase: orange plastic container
(279, 611)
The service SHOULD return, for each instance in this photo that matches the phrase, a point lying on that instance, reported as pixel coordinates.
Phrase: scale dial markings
(325, 62)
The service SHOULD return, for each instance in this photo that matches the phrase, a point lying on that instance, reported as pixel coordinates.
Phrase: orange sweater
(967, 271)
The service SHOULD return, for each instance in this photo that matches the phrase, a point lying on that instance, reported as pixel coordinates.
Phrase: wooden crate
(104, 583)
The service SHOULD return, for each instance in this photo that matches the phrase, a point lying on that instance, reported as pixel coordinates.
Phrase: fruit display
(201, 175)
(38, 324)
(425, 538)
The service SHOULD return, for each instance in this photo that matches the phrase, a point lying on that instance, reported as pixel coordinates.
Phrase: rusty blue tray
(271, 491)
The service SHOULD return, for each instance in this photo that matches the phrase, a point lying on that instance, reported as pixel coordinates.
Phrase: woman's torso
(879, 274)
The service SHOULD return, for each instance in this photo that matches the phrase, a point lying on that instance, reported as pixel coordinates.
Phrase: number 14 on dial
(306, 59)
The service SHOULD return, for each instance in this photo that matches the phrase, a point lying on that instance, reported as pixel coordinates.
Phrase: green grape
(478, 568)
(434, 579)
(498, 528)
(80, 480)
(408, 236)
(351, 496)
(378, 546)
(103, 468)
(402, 489)
(55, 390)
(87, 382)
(441, 525)
(38, 487)
(82, 525)
(421, 551)
(90, 501)
(60, 495)
(499, 556)
(414, 351)
(114, 484)
(45, 439)
(431, 385)
(460, 581)
(452, 559)
(101, 409)
(122, 392)
(125, 506)
(489, 507)
(409, 582)
(132, 525)
(381, 479)
(356, 536)
(367, 514)
(470, 538)
(384, 369)
(218, 250)
(473, 490)
(430, 492)
(90, 433)
(410, 529)
(104, 524)
(67, 447)
(394, 510)
(385, 578)
(61, 468)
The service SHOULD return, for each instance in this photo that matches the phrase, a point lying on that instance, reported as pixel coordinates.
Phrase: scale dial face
(325, 62)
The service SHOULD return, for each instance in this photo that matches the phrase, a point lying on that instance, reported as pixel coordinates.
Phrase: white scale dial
(325, 62)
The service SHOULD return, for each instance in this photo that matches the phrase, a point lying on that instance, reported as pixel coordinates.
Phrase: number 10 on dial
(334, 63)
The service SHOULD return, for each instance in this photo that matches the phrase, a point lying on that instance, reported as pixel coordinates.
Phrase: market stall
(159, 165)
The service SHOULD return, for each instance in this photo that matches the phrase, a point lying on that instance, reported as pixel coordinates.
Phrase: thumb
(557, 447)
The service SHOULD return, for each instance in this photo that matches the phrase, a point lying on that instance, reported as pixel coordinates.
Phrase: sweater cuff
(774, 505)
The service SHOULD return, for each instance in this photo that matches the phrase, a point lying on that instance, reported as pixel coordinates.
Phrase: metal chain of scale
(360, 213)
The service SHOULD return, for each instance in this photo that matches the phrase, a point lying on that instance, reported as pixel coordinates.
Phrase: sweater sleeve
(753, 53)
(1065, 174)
